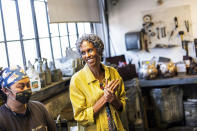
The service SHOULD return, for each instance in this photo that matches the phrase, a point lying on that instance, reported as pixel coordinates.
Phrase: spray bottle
(34, 77)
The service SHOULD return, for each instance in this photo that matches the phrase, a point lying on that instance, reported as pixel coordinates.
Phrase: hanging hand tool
(145, 39)
(163, 32)
(158, 37)
(181, 33)
(187, 25)
(171, 34)
(176, 26)
(186, 42)
(176, 22)
(146, 44)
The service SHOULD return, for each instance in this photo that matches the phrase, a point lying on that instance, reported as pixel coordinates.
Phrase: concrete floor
(175, 129)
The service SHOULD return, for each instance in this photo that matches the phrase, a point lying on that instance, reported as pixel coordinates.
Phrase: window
(57, 48)
(3, 58)
(41, 19)
(26, 19)
(15, 53)
(30, 50)
(84, 28)
(1, 30)
(63, 29)
(39, 38)
(65, 44)
(45, 49)
(10, 19)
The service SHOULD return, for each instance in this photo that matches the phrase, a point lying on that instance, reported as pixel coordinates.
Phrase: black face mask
(23, 96)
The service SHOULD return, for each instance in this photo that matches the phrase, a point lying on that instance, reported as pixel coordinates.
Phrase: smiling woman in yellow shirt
(97, 91)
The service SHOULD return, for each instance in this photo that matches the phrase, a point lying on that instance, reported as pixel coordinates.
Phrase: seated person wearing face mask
(18, 113)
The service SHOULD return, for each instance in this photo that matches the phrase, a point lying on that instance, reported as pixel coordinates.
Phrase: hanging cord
(109, 37)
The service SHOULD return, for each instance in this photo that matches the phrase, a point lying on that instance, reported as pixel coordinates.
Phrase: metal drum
(190, 108)
(168, 105)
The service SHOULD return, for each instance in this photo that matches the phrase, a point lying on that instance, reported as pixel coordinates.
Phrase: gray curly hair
(94, 39)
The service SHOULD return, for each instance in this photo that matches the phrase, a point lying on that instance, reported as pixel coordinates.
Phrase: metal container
(47, 72)
(56, 74)
(168, 105)
(134, 107)
(190, 108)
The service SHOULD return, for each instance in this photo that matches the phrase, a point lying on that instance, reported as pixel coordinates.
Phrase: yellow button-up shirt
(85, 92)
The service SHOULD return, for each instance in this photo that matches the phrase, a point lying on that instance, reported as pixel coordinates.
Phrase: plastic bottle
(34, 78)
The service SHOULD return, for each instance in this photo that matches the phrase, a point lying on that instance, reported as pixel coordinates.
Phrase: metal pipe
(107, 26)
(52, 55)
(20, 34)
(68, 36)
(4, 34)
(77, 33)
(35, 29)
(60, 39)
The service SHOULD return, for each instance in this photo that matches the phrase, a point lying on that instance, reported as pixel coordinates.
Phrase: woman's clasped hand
(110, 89)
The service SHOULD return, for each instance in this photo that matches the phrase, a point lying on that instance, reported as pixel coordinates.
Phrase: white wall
(126, 16)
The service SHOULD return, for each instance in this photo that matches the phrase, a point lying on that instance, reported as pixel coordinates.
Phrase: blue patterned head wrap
(9, 76)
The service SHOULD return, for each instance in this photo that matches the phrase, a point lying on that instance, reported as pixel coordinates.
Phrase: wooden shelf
(51, 90)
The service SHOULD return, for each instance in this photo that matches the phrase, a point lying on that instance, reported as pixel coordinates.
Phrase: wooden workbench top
(51, 90)
(177, 80)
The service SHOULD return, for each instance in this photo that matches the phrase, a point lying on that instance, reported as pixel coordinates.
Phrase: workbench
(51, 90)
(177, 80)
(56, 99)
(186, 82)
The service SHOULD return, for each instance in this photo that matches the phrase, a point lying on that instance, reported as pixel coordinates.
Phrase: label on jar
(34, 84)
